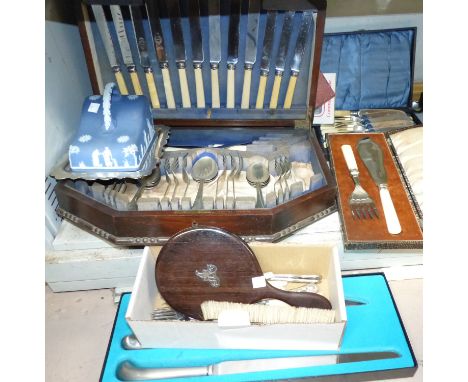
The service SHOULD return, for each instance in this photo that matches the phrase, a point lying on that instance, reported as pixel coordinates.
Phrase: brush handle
(298, 299)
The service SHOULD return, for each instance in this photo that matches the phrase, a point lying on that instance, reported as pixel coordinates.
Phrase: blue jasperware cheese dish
(115, 137)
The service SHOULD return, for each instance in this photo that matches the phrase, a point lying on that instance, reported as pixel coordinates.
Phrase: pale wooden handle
(121, 83)
(214, 89)
(391, 217)
(261, 92)
(136, 83)
(199, 87)
(246, 89)
(290, 92)
(184, 91)
(349, 157)
(168, 88)
(230, 89)
(275, 92)
(152, 90)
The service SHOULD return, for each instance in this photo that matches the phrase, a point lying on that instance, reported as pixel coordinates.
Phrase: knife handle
(120, 81)
(391, 217)
(152, 89)
(245, 103)
(168, 88)
(128, 372)
(199, 87)
(230, 87)
(184, 90)
(290, 91)
(261, 91)
(135, 80)
(275, 91)
(215, 104)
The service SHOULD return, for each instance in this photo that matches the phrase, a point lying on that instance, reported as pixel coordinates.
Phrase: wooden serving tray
(372, 233)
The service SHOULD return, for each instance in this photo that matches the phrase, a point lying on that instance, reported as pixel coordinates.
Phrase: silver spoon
(258, 176)
(204, 170)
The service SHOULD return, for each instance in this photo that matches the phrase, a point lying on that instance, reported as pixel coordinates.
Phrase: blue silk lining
(374, 69)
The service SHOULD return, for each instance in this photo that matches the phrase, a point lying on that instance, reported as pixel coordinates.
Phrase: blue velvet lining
(374, 69)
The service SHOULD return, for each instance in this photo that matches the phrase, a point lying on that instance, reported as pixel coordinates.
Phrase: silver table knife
(122, 38)
(372, 156)
(281, 57)
(197, 50)
(179, 49)
(129, 372)
(158, 40)
(306, 23)
(233, 51)
(250, 50)
(214, 23)
(137, 21)
(101, 21)
(265, 61)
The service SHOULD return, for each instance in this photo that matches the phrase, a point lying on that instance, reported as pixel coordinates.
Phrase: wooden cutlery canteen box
(233, 83)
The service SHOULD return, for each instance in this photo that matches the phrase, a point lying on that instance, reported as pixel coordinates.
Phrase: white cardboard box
(277, 258)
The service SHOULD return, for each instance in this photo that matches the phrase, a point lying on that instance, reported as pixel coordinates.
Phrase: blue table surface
(375, 326)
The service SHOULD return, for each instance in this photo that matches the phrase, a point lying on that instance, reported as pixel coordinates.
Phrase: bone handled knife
(306, 23)
(158, 40)
(197, 50)
(265, 61)
(137, 21)
(128, 372)
(101, 21)
(372, 156)
(214, 23)
(281, 57)
(122, 38)
(179, 49)
(233, 52)
(250, 50)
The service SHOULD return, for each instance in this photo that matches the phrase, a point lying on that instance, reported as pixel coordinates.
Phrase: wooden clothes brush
(209, 264)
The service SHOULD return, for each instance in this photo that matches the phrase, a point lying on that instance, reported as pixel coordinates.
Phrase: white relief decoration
(107, 156)
(106, 102)
(74, 149)
(95, 155)
(123, 138)
(82, 164)
(132, 97)
(85, 138)
(94, 97)
(131, 151)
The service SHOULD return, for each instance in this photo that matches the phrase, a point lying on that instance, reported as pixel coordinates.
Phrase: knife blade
(158, 40)
(214, 40)
(372, 156)
(101, 22)
(137, 21)
(233, 51)
(129, 372)
(280, 58)
(179, 49)
(306, 23)
(197, 50)
(265, 61)
(250, 50)
(122, 38)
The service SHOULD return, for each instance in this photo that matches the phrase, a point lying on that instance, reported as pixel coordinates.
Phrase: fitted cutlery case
(374, 70)
(401, 152)
(238, 104)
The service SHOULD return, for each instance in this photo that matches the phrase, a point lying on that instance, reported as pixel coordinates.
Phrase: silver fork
(361, 204)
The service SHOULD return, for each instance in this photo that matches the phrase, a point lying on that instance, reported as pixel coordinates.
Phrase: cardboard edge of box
(208, 335)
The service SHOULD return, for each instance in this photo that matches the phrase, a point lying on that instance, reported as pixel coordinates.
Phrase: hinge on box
(304, 123)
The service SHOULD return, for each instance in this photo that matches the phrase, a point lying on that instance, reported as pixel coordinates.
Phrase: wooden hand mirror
(207, 263)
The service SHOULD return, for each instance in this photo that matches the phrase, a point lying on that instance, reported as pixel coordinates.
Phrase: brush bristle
(267, 314)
